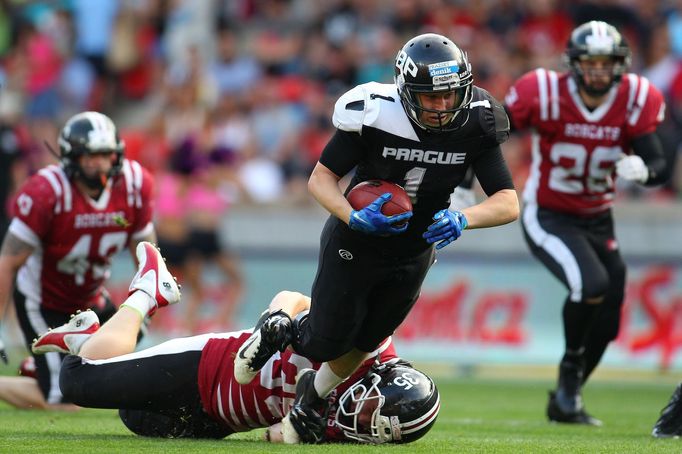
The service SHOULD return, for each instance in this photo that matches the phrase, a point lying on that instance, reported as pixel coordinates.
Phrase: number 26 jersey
(574, 149)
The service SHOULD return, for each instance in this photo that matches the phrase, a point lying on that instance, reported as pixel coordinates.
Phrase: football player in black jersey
(423, 132)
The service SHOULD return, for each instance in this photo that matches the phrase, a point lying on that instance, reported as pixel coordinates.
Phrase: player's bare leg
(291, 303)
(152, 287)
(345, 365)
(24, 393)
(116, 337)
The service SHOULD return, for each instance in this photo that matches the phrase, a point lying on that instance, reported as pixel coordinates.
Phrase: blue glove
(447, 228)
(372, 221)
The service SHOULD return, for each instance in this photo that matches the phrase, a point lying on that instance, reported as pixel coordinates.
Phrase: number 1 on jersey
(414, 178)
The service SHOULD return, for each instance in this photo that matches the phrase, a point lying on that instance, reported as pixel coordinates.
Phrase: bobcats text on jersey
(590, 131)
(88, 220)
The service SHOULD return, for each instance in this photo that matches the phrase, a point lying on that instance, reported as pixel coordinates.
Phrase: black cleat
(669, 424)
(272, 333)
(566, 403)
(570, 383)
(308, 415)
(563, 411)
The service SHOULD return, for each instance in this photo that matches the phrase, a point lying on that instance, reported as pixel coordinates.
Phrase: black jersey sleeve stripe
(356, 105)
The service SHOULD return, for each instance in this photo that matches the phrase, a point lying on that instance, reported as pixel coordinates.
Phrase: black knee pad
(149, 424)
(595, 288)
(158, 425)
(314, 348)
(607, 324)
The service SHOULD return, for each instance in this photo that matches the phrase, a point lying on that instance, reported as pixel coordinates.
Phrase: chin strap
(97, 182)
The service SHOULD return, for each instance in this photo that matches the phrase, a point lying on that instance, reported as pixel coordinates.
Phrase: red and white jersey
(269, 397)
(575, 149)
(75, 236)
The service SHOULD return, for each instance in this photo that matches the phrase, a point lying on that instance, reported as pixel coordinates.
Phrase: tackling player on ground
(68, 222)
(185, 388)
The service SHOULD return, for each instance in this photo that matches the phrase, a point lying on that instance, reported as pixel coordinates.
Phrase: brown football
(367, 192)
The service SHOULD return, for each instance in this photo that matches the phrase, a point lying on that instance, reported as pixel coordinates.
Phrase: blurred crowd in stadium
(230, 101)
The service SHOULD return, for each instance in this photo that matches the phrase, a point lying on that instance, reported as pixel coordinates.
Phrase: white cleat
(69, 337)
(153, 278)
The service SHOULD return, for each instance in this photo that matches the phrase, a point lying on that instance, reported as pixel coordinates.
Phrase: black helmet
(392, 403)
(597, 38)
(89, 133)
(432, 63)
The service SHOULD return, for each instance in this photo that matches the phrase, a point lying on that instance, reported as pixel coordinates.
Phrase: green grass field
(477, 416)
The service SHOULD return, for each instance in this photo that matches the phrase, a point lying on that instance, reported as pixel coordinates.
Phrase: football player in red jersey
(186, 388)
(68, 222)
(590, 125)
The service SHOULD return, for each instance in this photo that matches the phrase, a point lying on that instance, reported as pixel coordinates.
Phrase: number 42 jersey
(575, 149)
(75, 236)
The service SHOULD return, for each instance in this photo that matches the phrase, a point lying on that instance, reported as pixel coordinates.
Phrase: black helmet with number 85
(597, 40)
(89, 133)
(393, 403)
(433, 64)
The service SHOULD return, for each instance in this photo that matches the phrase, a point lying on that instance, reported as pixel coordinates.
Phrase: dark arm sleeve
(512, 128)
(468, 181)
(492, 171)
(343, 151)
(650, 149)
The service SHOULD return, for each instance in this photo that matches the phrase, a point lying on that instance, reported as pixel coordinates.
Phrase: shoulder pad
(40, 196)
(375, 105)
(51, 185)
(491, 116)
(646, 105)
(361, 105)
